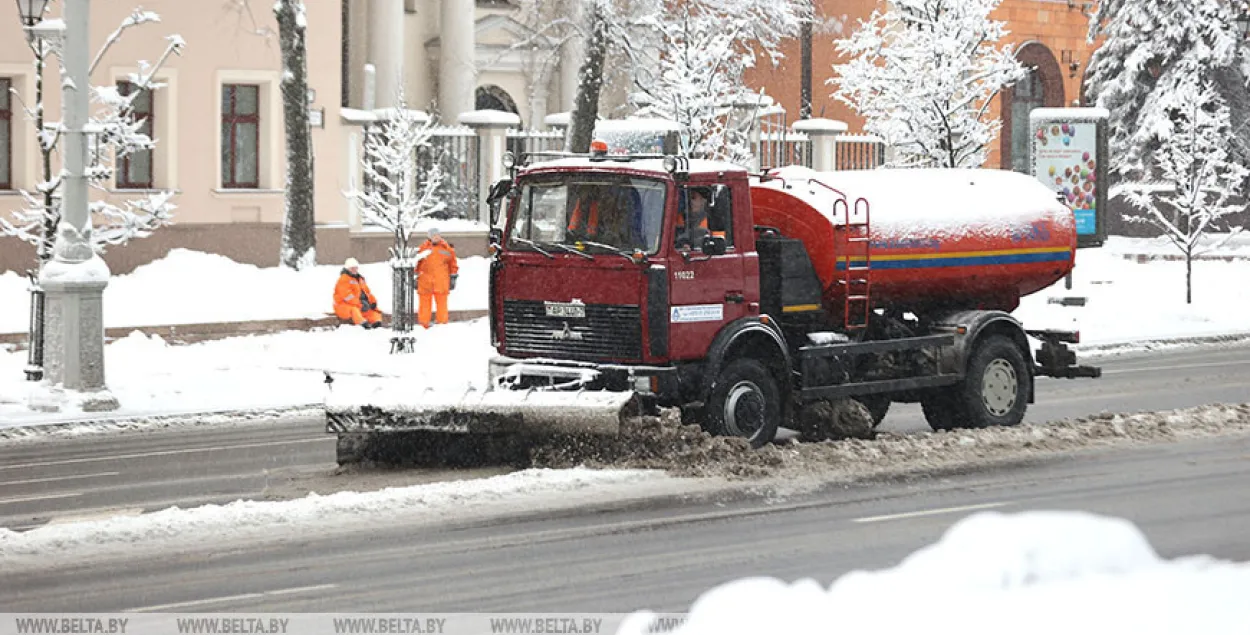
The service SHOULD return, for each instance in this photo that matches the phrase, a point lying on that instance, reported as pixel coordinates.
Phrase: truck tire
(745, 402)
(995, 390)
(877, 405)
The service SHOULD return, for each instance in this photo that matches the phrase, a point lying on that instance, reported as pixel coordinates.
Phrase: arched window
(1043, 87)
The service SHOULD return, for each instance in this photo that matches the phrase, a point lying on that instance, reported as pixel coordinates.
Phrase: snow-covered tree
(1196, 180)
(299, 231)
(1151, 48)
(118, 133)
(400, 188)
(924, 73)
(704, 48)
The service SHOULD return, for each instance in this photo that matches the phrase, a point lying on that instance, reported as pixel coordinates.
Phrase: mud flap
(482, 412)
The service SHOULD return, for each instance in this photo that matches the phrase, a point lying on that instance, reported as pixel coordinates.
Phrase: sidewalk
(192, 333)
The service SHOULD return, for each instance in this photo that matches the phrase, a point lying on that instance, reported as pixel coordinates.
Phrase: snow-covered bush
(924, 74)
(118, 133)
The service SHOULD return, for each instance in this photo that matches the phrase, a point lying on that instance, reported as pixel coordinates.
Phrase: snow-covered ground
(149, 375)
(246, 520)
(1126, 302)
(190, 287)
(1032, 572)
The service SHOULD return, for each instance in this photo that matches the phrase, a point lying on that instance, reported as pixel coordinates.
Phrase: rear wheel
(745, 402)
(993, 393)
(351, 448)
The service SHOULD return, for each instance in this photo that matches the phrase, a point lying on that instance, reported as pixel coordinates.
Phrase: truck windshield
(623, 212)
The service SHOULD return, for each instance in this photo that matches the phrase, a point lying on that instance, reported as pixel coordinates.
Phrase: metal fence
(531, 141)
(783, 148)
(859, 152)
(455, 149)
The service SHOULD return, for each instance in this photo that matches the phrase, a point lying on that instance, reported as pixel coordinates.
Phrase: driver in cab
(693, 225)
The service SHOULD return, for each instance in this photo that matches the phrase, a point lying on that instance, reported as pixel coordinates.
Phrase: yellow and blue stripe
(964, 258)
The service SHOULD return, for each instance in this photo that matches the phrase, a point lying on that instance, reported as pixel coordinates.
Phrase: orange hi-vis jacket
(435, 270)
(578, 221)
(348, 289)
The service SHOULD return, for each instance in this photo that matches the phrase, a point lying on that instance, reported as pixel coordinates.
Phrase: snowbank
(148, 375)
(1033, 572)
(190, 287)
(255, 520)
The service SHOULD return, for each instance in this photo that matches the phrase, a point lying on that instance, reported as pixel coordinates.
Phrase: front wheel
(745, 402)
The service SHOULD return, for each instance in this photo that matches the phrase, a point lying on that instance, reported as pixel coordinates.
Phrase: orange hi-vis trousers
(423, 308)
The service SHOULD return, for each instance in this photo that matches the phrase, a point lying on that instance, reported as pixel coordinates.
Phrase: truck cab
(622, 273)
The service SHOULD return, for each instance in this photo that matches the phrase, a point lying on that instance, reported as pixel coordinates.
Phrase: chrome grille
(608, 332)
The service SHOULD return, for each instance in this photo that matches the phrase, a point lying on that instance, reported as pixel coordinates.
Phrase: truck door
(708, 290)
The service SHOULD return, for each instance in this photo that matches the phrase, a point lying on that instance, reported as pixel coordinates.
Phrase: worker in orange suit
(353, 301)
(436, 277)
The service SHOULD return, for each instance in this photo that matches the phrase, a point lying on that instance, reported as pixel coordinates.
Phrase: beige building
(218, 119)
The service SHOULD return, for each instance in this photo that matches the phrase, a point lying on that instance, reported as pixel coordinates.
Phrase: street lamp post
(75, 277)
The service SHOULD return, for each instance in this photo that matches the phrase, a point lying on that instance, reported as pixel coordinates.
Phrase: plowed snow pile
(685, 450)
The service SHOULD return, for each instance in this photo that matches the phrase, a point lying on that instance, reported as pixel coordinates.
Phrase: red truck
(801, 290)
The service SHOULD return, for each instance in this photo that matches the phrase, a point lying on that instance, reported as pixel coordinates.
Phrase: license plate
(566, 309)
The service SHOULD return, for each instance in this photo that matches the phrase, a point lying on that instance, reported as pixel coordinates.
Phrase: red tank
(966, 238)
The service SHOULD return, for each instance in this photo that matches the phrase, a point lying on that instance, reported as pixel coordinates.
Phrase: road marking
(53, 479)
(1153, 369)
(23, 499)
(231, 598)
(139, 455)
(929, 512)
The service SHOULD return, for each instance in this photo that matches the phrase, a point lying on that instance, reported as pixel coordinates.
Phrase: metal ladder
(855, 255)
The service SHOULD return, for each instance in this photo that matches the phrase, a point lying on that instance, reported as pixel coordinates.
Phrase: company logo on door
(697, 313)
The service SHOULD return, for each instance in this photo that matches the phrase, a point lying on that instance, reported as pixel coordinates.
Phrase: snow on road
(1033, 572)
(176, 529)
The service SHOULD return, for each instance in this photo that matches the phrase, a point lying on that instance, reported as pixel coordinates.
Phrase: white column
(571, 59)
(823, 134)
(491, 127)
(386, 48)
(457, 69)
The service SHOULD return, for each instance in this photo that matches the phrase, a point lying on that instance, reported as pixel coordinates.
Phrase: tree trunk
(299, 238)
(590, 81)
(1189, 276)
(51, 215)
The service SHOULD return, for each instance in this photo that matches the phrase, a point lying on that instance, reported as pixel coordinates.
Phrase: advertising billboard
(1070, 157)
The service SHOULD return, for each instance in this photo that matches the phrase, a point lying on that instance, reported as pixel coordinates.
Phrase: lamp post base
(74, 334)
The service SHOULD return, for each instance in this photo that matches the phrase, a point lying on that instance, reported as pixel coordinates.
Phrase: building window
(240, 136)
(134, 170)
(6, 134)
(1042, 87)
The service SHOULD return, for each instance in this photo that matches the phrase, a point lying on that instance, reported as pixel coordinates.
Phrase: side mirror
(494, 200)
(713, 245)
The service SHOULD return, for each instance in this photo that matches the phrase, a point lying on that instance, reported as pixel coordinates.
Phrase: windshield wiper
(572, 250)
(525, 241)
(616, 250)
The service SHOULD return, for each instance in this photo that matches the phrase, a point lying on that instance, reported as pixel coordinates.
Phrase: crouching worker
(436, 277)
(353, 301)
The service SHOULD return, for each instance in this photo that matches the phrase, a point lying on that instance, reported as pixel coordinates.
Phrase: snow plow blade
(486, 412)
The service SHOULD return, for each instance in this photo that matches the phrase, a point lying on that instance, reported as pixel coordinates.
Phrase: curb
(118, 423)
(208, 331)
(1155, 344)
